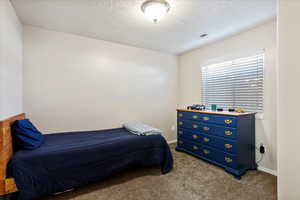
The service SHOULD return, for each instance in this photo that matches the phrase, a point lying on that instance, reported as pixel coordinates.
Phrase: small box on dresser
(222, 138)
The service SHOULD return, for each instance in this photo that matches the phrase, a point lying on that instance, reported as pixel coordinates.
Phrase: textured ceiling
(122, 20)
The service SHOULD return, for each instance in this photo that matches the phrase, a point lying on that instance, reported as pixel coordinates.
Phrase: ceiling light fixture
(155, 10)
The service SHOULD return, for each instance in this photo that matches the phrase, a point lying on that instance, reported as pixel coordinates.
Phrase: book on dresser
(226, 139)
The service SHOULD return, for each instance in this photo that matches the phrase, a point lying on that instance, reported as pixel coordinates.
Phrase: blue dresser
(222, 138)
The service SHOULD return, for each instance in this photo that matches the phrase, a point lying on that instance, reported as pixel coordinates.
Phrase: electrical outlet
(173, 128)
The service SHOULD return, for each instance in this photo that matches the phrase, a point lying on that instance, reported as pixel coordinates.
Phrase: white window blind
(235, 84)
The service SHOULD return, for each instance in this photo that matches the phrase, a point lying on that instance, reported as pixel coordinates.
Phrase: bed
(69, 160)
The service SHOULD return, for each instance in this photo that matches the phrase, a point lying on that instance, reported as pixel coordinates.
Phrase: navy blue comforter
(69, 160)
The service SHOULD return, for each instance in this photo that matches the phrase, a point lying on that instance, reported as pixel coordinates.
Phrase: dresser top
(218, 112)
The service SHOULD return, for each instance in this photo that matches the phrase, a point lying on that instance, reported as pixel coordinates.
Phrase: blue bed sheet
(68, 160)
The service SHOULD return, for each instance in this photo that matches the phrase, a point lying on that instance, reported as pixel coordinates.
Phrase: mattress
(68, 160)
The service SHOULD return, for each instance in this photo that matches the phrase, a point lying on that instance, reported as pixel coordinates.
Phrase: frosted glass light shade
(155, 10)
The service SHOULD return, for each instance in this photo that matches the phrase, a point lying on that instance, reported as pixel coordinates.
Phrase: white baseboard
(269, 171)
(172, 141)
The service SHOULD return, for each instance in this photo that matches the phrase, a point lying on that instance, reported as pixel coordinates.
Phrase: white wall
(11, 62)
(243, 44)
(288, 100)
(78, 83)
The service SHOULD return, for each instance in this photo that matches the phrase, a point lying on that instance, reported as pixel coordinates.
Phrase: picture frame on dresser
(226, 139)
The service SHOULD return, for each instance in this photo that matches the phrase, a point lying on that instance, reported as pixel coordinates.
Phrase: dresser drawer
(190, 146)
(218, 143)
(223, 120)
(189, 135)
(216, 155)
(226, 132)
(197, 127)
(189, 116)
(207, 118)
(228, 160)
(227, 146)
(198, 149)
(208, 152)
(227, 121)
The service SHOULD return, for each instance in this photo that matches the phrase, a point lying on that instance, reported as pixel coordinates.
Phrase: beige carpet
(191, 179)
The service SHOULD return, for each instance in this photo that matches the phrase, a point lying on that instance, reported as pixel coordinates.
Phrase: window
(235, 84)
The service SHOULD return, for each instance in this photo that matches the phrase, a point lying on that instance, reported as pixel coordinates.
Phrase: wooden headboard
(7, 185)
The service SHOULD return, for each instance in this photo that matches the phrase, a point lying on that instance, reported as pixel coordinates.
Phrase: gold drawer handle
(195, 126)
(205, 128)
(195, 117)
(206, 151)
(180, 142)
(180, 115)
(180, 132)
(206, 139)
(228, 146)
(180, 123)
(205, 118)
(228, 133)
(195, 137)
(228, 121)
(228, 160)
(195, 148)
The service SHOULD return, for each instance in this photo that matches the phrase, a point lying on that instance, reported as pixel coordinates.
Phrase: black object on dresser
(222, 138)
